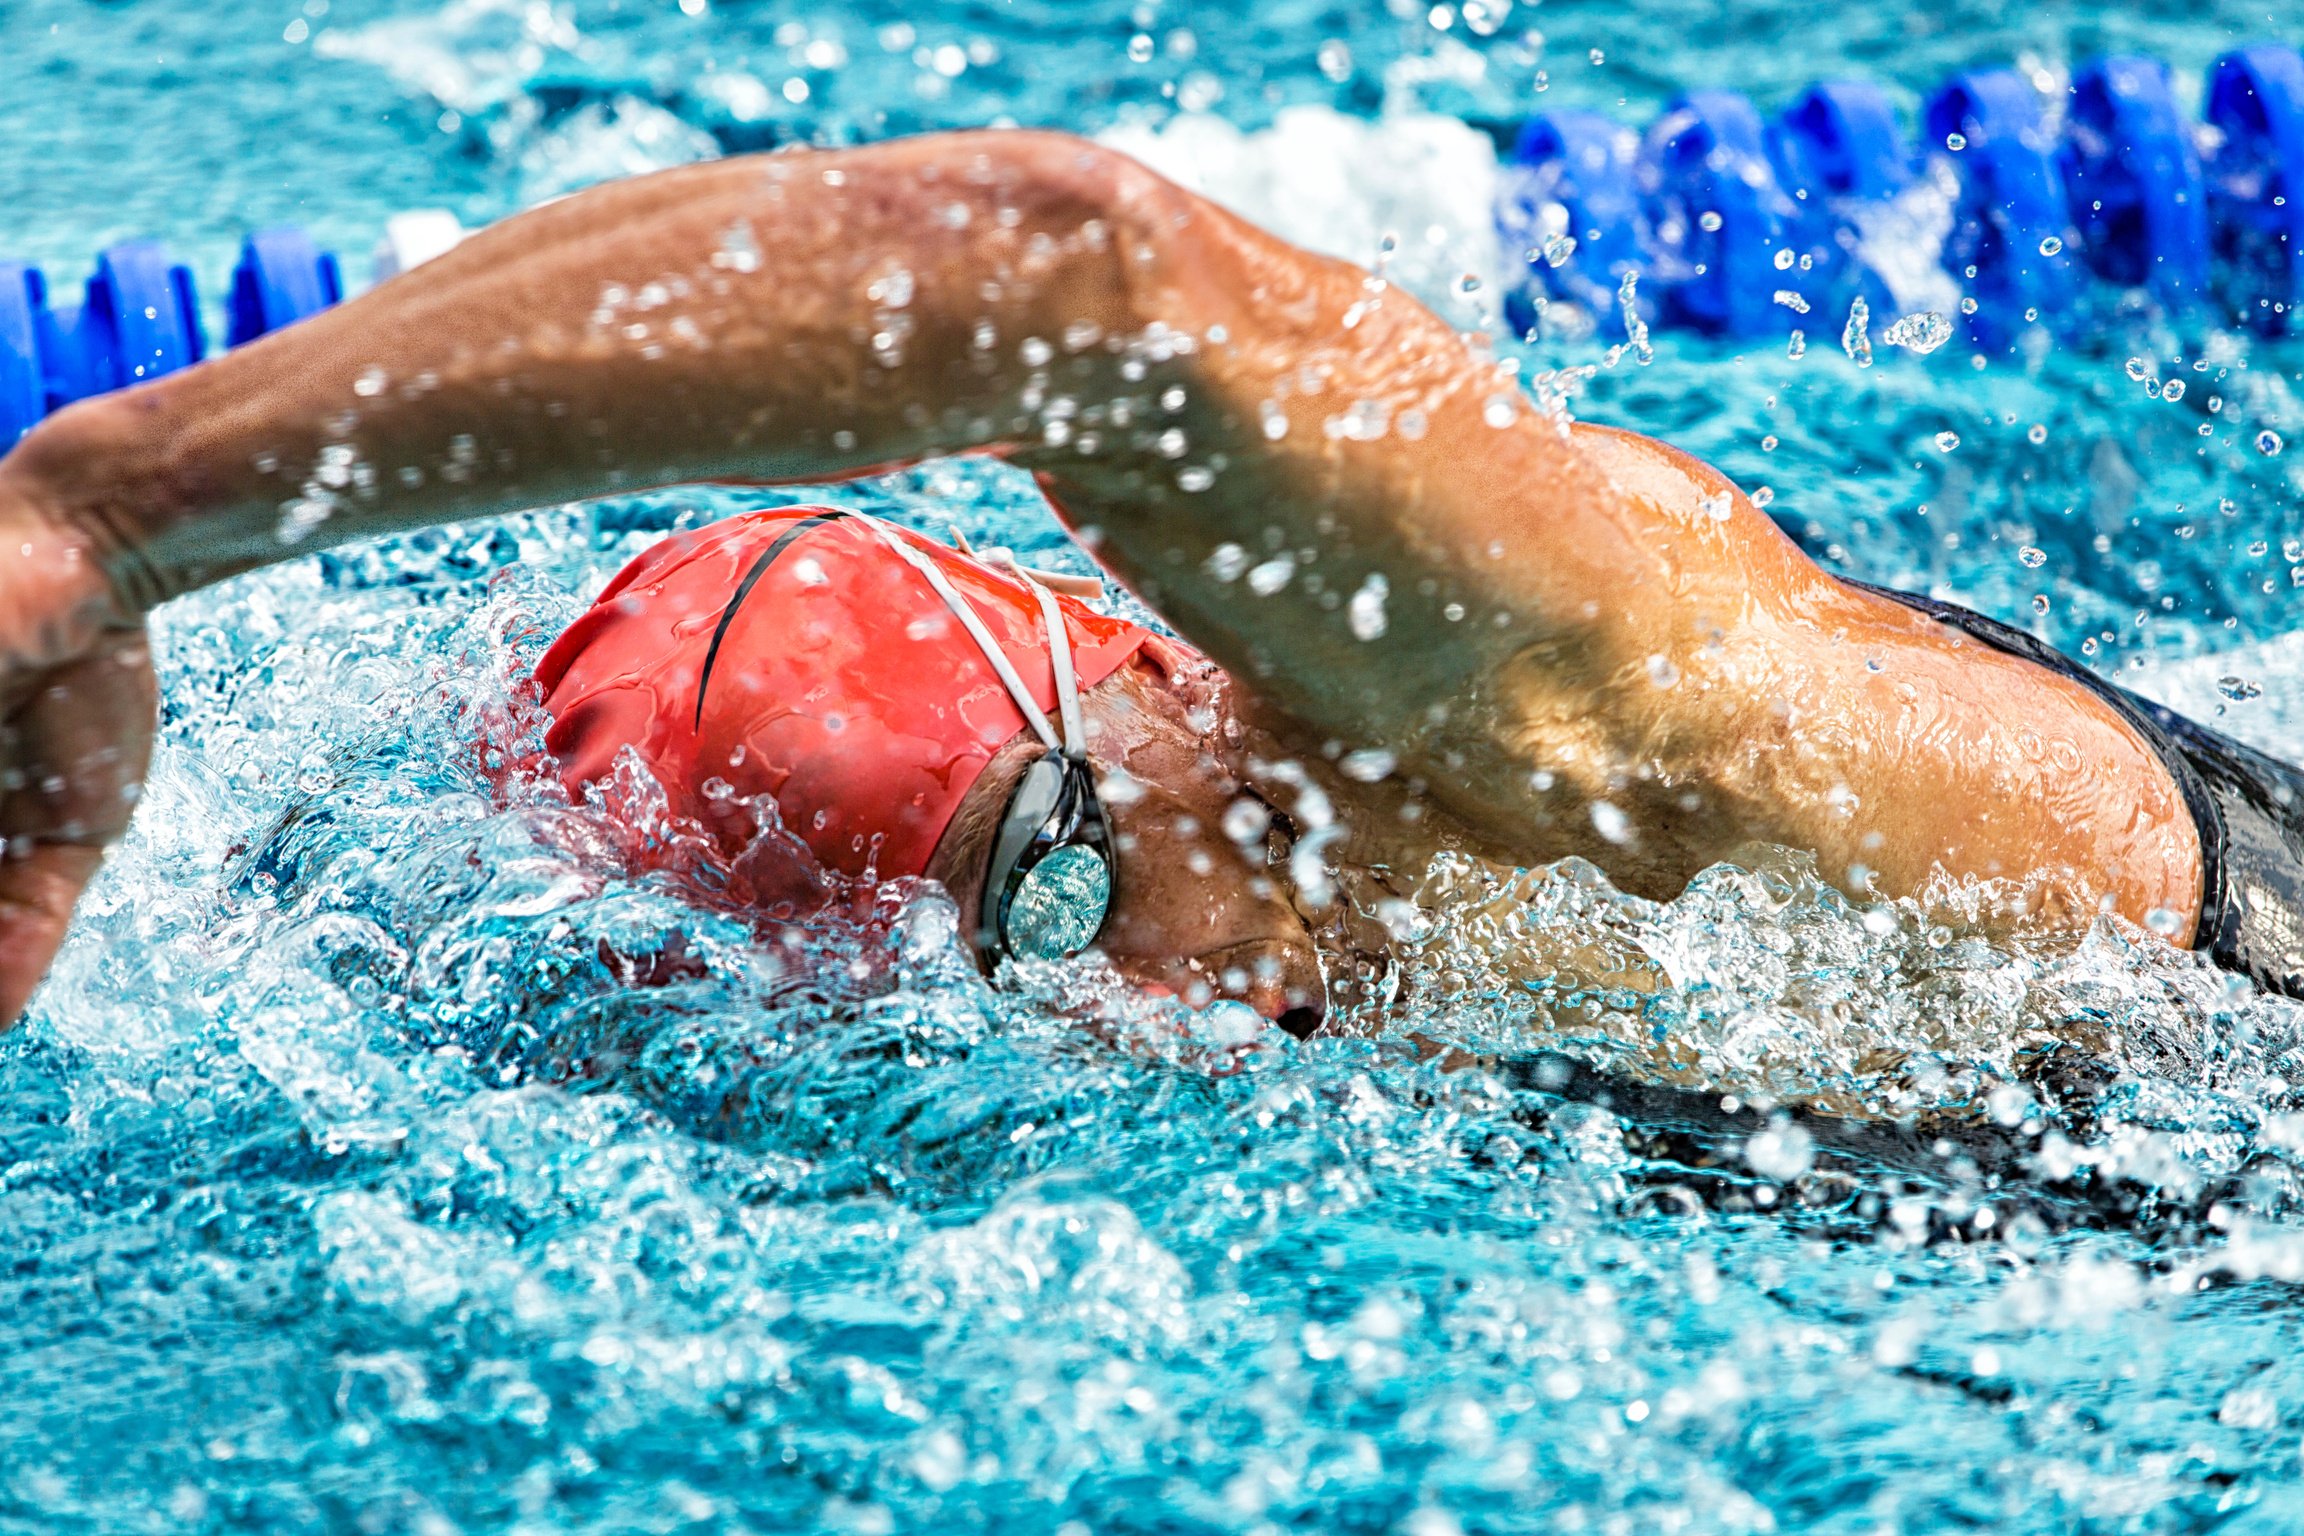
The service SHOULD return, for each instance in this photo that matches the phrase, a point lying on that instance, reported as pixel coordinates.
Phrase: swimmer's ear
(1182, 672)
(1174, 662)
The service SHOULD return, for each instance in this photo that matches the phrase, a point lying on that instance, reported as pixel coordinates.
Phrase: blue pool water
(355, 1183)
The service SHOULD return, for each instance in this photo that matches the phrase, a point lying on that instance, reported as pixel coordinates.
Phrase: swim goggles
(1049, 886)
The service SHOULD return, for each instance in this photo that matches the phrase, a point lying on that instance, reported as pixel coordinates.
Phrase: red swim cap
(793, 653)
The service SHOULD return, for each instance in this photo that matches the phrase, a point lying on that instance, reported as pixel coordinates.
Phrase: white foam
(410, 239)
(1338, 185)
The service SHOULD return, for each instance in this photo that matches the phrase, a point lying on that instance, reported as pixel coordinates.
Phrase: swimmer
(1417, 613)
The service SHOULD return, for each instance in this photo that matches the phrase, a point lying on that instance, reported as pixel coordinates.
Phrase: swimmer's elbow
(1117, 206)
(1091, 180)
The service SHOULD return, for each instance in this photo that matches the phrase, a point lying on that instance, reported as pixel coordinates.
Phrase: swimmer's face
(1195, 913)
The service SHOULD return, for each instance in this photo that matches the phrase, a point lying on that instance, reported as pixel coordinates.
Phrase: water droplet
(1923, 332)
(1366, 610)
(2268, 442)
(1968, 306)
(1955, 142)
(1708, 221)
(1763, 496)
(1784, 259)
(1782, 1152)
(2037, 436)
(1611, 823)
(2040, 604)
(2239, 688)
(1855, 340)
(1797, 346)
(1598, 58)
(2033, 556)
(2138, 369)
(1557, 249)
(1947, 441)
(2051, 246)
(1635, 328)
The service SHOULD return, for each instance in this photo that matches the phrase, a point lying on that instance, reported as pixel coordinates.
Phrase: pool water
(384, 1156)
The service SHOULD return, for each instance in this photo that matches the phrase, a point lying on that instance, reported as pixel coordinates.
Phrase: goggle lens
(1059, 905)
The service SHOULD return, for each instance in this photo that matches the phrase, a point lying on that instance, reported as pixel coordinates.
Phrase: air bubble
(2037, 436)
(1955, 142)
(1947, 441)
(2032, 556)
(2268, 442)
(2239, 688)
(2051, 246)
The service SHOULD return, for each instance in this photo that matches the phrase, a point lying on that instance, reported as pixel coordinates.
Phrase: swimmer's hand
(77, 704)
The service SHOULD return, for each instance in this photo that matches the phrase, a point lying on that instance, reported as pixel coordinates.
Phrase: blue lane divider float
(1720, 220)
(2256, 183)
(2011, 223)
(280, 278)
(139, 318)
(1839, 143)
(1573, 209)
(1730, 222)
(2132, 176)
(23, 378)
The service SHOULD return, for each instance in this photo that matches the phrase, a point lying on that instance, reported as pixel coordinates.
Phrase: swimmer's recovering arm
(1431, 568)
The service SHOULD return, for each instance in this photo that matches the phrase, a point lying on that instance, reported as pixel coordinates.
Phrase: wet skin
(1592, 644)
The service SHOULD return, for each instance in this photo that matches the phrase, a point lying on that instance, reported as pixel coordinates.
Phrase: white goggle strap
(1060, 656)
(966, 613)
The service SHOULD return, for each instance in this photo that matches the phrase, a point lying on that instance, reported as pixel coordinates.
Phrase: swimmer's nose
(1280, 981)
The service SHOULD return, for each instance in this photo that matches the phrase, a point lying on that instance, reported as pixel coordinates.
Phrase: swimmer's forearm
(789, 317)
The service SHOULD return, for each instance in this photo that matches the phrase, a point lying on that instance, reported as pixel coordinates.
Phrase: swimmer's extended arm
(1279, 452)
(1568, 619)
